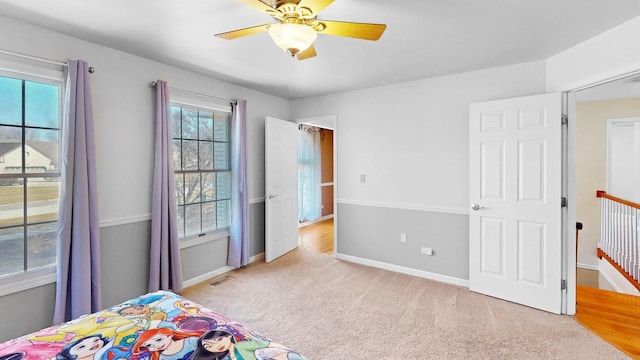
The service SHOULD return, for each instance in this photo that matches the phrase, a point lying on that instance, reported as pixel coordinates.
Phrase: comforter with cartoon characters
(156, 326)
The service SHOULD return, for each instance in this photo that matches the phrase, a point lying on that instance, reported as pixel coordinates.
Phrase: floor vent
(219, 280)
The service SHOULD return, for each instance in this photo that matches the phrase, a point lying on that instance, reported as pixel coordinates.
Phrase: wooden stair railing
(619, 239)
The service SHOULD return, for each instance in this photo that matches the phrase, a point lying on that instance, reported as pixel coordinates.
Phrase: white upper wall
(123, 105)
(411, 139)
(610, 54)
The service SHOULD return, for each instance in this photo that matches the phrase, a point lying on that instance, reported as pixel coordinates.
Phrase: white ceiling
(424, 38)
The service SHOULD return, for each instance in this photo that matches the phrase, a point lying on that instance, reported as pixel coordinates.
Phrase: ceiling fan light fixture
(292, 38)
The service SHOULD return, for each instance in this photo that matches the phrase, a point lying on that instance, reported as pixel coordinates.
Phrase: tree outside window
(201, 159)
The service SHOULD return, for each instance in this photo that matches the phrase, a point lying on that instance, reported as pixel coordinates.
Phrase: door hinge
(563, 202)
(563, 284)
(564, 119)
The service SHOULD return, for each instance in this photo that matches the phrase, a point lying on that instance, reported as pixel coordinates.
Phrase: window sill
(26, 281)
(197, 240)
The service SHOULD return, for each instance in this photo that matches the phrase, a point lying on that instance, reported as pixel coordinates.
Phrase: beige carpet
(330, 309)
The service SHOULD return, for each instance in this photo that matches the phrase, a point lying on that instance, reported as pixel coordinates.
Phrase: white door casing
(515, 191)
(281, 187)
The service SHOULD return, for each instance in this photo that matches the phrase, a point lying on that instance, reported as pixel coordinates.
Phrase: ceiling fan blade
(315, 5)
(259, 5)
(355, 30)
(230, 35)
(308, 53)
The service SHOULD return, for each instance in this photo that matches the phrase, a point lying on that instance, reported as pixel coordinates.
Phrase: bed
(156, 326)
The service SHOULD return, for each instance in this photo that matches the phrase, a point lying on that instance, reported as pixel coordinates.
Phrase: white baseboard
(404, 270)
(256, 258)
(376, 264)
(326, 217)
(588, 267)
(217, 272)
(207, 276)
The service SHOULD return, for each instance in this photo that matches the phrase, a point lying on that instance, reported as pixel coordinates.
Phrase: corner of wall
(605, 56)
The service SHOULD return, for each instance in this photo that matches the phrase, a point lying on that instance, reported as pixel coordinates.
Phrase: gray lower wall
(256, 228)
(124, 275)
(204, 258)
(373, 233)
(211, 256)
(27, 311)
(124, 261)
(125, 272)
(366, 232)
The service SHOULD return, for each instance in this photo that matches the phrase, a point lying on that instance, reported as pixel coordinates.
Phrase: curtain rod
(48, 61)
(154, 84)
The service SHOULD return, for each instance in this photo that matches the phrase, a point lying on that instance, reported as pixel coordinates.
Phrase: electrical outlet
(403, 238)
(426, 250)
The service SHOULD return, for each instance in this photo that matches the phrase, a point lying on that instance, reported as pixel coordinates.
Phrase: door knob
(476, 207)
(272, 196)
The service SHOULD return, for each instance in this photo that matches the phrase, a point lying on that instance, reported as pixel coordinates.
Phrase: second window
(201, 158)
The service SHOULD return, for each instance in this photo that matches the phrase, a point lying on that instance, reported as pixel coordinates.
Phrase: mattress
(156, 326)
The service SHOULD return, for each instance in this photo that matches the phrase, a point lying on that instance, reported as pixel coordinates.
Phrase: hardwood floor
(317, 237)
(613, 316)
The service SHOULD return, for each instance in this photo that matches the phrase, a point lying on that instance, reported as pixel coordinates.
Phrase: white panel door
(281, 187)
(515, 222)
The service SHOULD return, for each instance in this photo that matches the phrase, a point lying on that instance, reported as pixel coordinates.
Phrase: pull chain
(291, 74)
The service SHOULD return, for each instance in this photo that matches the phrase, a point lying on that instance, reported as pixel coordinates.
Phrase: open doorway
(317, 185)
(600, 111)
(598, 305)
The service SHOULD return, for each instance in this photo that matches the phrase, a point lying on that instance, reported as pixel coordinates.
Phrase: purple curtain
(165, 272)
(78, 266)
(239, 239)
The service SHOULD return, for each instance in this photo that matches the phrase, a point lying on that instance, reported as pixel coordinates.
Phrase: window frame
(45, 74)
(193, 101)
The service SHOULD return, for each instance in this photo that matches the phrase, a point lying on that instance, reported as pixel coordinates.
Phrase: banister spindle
(636, 241)
(620, 235)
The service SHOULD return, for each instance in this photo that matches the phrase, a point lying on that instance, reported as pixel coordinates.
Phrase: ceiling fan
(298, 26)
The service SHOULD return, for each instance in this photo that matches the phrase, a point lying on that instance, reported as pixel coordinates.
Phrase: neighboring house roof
(46, 148)
(7, 147)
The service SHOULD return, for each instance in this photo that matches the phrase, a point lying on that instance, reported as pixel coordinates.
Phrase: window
(30, 113)
(201, 160)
